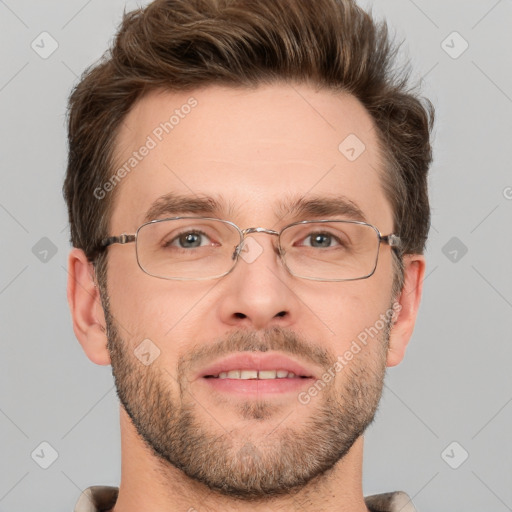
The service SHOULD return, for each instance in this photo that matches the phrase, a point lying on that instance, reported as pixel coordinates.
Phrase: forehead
(254, 152)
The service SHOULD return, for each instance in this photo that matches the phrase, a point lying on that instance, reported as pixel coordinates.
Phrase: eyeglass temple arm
(393, 241)
(122, 239)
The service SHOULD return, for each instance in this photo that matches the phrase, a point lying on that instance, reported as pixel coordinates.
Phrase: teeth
(255, 374)
(249, 374)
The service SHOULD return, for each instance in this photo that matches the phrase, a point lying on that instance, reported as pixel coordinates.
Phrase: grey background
(455, 383)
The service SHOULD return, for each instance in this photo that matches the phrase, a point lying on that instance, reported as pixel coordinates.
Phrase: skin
(254, 147)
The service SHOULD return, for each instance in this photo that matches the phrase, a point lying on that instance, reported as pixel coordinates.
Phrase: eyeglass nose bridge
(248, 231)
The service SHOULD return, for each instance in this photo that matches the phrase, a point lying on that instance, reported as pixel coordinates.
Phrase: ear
(409, 300)
(86, 309)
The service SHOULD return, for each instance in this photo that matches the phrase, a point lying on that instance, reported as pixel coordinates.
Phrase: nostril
(281, 313)
(240, 315)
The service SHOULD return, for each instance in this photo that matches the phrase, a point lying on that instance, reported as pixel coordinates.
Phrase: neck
(148, 483)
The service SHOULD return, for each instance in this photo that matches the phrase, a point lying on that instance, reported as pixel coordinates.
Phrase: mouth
(257, 374)
(253, 374)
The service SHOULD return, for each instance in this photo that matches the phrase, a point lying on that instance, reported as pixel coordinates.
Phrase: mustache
(270, 339)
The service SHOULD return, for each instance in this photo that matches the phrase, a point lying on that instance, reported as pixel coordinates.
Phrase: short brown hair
(179, 45)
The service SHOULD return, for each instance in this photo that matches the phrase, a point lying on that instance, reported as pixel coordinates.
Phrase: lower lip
(257, 387)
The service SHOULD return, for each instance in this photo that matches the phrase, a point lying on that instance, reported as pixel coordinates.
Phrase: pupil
(321, 240)
(190, 240)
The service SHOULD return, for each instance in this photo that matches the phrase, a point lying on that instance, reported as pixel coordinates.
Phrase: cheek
(342, 311)
(161, 310)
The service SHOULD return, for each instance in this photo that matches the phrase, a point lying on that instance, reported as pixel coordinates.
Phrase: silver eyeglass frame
(392, 240)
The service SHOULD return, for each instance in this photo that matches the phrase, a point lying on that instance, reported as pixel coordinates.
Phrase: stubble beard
(234, 462)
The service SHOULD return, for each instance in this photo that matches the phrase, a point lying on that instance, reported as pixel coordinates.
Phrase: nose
(258, 292)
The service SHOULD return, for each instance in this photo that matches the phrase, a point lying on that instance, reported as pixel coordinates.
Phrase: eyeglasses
(198, 248)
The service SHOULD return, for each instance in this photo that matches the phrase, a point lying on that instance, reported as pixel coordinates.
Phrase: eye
(189, 240)
(321, 240)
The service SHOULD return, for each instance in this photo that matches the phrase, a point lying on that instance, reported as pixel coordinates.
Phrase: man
(248, 204)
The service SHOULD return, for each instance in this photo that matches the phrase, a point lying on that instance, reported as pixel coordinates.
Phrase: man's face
(255, 152)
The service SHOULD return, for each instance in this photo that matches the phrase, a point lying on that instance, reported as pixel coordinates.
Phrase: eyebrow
(177, 204)
(174, 205)
(320, 206)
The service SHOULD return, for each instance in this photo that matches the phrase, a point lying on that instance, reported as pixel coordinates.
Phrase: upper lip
(252, 361)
